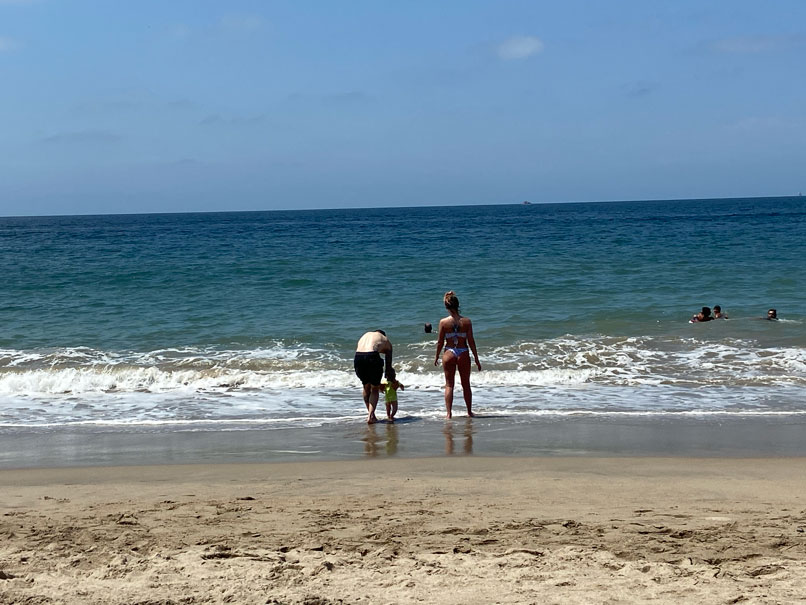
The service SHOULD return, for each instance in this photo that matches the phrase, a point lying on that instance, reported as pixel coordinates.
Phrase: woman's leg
(464, 375)
(449, 366)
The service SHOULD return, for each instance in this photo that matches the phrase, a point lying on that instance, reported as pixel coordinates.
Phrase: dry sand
(443, 530)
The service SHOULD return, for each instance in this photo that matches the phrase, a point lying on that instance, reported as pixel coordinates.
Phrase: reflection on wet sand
(379, 441)
(464, 430)
(382, 439)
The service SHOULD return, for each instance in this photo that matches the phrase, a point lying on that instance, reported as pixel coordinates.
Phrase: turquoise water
(249, 320)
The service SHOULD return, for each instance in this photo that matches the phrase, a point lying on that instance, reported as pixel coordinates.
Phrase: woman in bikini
(456, 335)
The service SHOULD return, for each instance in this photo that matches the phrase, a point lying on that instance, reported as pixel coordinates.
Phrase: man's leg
(373, 403)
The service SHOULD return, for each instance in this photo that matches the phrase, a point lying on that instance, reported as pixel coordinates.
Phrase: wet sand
(583, 435)
(462, 529)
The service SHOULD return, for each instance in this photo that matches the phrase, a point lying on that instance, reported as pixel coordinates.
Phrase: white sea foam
(302, 385)
(565, 361)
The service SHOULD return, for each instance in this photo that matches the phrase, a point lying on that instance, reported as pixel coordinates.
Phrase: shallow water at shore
(716, 436)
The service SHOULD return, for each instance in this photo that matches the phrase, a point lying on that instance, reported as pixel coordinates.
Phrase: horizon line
(523, 203)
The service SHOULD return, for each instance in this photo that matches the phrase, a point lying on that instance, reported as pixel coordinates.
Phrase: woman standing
(458, 332)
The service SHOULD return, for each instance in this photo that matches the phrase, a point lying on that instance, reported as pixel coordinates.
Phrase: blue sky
(156, 106)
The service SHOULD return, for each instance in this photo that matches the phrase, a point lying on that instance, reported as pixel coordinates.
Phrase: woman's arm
(471, 342)
(440, 342)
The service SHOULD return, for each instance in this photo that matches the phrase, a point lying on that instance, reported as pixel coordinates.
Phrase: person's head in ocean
(704, 315)
(718, 314)
(772, 314)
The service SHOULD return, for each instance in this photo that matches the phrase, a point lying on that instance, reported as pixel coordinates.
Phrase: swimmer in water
(704, 315)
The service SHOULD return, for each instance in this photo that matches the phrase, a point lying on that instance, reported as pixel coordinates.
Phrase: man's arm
(387, 366)
(386, 349)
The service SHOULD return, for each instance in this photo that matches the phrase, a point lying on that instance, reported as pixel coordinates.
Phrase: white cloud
(7, 44)
(519, 47)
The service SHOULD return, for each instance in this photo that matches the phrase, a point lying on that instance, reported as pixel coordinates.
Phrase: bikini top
(456, 335)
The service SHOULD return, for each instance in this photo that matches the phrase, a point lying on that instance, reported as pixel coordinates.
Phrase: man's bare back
(374, 341)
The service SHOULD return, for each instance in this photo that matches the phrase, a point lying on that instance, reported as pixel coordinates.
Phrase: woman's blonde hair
(451, 302)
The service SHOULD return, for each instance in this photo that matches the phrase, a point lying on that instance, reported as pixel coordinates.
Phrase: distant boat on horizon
(527, 203)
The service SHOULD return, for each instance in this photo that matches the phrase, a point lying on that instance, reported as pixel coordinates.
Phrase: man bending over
(370, 368)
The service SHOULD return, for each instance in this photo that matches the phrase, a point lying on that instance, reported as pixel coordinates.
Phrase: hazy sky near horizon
(194, 105)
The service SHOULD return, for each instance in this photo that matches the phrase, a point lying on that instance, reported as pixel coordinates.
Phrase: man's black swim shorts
(369, 367)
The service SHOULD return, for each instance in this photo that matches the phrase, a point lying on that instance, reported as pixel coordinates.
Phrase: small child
(390, 394)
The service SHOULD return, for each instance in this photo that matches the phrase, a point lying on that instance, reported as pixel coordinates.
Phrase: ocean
(241, 326)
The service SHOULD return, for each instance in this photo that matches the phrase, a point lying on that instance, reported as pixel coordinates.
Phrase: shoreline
(448, 529)
(411, 438)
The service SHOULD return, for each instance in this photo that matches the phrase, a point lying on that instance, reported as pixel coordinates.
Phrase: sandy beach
(426, 530)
